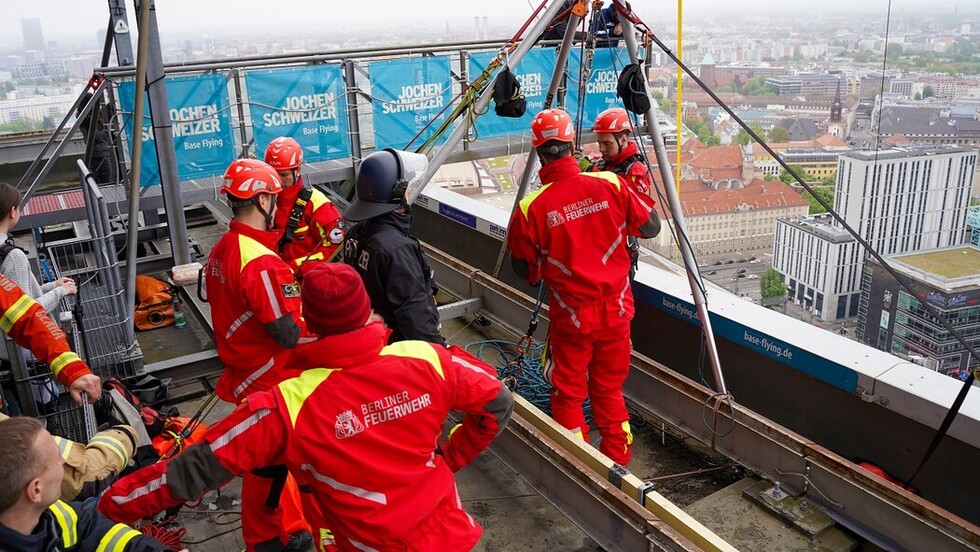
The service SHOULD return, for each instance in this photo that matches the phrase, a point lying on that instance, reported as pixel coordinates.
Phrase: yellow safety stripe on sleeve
(64, 359)
(15, 312)
(116, 538)
(526, 201)
(114, 445)
(318, 199)
(296, 390)
(605, 175)
(249, 249)
(302, 228)
(64, 446)
(416, 349)
(67, 521)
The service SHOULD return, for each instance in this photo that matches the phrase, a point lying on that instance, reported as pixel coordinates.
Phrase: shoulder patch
(290, 290)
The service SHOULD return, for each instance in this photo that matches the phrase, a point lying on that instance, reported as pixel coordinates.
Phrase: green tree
(828, 181)
(918, 96)
(743, 138)
(863, 56)
(778, 134)
(757, 86)
(769, 178)
(786, 177)
(771, 284)
(825, 194)
(712, 140)
(47, 123)
(928, 91)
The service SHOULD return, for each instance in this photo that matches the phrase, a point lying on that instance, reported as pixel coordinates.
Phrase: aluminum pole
(483, 100)
(675, 207)
(163, 140)
(132, 227)
(532, 156)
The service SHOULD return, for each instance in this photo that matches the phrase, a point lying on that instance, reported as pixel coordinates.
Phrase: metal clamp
(641, 492)
(870, 397)
(616, 474)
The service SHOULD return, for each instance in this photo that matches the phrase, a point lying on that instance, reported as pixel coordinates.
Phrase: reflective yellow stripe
(628, 432)
(113, 445)
(15, 312)
(68, 522)
(116, 538)
(64, 446)
(416, 349)
(302, 228)
(318, 199)
(249, 249)
(605, 175)
(526, 202)
(296, 390)
(64, 359)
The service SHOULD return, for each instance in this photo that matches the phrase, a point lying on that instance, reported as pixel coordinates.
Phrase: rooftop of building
(907, 119)
(900, 153)
(822, 226)
(951, 263)
(700, 199)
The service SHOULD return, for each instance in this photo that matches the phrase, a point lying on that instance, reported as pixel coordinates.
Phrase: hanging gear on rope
(511, 374)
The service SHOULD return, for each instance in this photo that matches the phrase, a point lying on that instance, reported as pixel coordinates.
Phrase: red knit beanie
(334, 299)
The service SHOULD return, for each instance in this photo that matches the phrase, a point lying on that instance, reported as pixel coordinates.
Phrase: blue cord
(527, 372)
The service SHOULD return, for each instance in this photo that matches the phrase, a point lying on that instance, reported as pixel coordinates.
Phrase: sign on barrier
(305, 103)
(408, 94)
(534, 73)
(202, 127)
(600, 87)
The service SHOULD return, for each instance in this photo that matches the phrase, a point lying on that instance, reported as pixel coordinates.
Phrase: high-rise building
(899, 201)
(895, 321)
(33, 37)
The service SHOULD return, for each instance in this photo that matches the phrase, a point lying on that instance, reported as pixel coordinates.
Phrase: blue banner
(408, 94)
(600, 87)
(203, 137)
(307, 104)
(534, 73)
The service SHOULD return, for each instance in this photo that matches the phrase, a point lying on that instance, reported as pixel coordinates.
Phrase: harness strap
(294, 216)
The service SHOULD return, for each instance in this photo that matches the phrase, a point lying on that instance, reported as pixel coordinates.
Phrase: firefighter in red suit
(311, 227)
(25, 321)
(570, 233)
(361, 429)
(255, 313)
(620, 155)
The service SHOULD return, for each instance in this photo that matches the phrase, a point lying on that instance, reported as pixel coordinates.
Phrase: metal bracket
(616, 474)
(641, 492)
(459, 308)
(870, 397)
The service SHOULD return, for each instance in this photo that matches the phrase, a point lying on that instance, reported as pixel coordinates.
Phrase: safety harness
(294, 216)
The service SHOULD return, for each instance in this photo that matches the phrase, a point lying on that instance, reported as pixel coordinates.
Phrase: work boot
(299, 541)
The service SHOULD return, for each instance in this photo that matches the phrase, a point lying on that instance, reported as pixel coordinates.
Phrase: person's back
(361, 429)
(578, 220)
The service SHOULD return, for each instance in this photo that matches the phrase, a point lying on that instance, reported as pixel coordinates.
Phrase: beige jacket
(95, 464)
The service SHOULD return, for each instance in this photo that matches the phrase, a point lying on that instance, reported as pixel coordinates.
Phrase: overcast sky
(65, 19)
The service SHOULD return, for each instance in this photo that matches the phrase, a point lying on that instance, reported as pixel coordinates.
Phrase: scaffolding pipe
(653, 125)
(132, 225)
(482, 101)
(532, 156)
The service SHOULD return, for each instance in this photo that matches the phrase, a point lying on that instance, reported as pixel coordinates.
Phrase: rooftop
(955, 262)
(901, 153)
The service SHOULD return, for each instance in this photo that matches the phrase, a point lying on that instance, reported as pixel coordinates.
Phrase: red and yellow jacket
(26, 323)
(361, 429)
(571, 233)
(255, 310)
(628, 165)
(320, 231)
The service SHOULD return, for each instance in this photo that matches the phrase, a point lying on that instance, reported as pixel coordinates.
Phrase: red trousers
(593, 365)
(261, 523)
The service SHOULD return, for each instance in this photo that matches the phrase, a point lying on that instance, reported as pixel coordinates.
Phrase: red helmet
(613, 120)
(551, 124)
(284, 154)
(249, 178)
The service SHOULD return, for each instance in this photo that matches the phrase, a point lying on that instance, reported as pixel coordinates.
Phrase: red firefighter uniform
(320, 230)
(26, 323)
(361, 436)
(629, 164)
(571, 233)
(255, 310)
(255, 305)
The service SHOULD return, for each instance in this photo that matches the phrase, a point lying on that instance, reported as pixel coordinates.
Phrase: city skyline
(218, 17)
